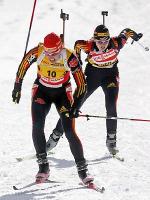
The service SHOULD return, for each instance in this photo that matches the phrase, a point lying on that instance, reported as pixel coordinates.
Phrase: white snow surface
(122, 180)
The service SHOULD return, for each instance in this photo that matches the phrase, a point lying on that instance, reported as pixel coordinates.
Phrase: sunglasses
(102, 41)
(51, 51)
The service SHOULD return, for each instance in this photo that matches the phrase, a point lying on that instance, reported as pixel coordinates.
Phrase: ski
(118, 158)
(93, 186)
(110, 156)
(90, 185)
(30, 157)
(24, 187)
(32, 184)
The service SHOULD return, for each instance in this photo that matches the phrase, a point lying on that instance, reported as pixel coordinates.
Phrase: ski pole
(145, 48)
(64, 17)
(104, 13)
(114, 118)
(31, 20)
(139, 43)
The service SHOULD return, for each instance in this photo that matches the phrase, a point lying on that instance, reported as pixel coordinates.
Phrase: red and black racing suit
(52, 85)
(101, 70)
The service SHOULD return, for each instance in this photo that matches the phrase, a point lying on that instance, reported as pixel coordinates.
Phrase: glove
(136, 36)
(16, 93)
(74, 113)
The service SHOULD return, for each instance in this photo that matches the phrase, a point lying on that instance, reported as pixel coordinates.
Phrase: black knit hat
(101, 31)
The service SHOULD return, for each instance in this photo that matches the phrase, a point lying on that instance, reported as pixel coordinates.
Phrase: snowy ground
(122, 180)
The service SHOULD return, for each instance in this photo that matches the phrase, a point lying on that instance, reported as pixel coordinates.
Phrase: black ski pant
(107, 79)
(42, 100)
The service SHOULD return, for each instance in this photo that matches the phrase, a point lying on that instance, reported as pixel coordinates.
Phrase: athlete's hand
(137, 36)
(74, 113)
(16, 93)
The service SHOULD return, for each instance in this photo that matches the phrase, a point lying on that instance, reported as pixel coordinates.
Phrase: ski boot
(43, 173)
(85, 177)
(111, 143)
(53, 140)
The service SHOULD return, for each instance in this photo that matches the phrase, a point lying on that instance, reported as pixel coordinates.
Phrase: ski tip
(122, 159)
(102, 189)
(118, 158)
(19, 159)
(93, 186)
(15, 188)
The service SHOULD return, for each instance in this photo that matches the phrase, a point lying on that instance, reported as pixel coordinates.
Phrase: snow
(122, 180)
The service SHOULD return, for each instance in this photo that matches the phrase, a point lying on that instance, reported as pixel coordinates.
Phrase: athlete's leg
(111, 89)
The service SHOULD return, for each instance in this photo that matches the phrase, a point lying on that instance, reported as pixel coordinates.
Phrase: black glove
(16, 93)
(74, 113)
(136, 36)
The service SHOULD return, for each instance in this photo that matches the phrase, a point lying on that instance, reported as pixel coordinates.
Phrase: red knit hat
(53, 42)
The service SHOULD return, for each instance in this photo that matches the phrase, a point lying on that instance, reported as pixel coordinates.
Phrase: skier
(52, 85)
(101, 70)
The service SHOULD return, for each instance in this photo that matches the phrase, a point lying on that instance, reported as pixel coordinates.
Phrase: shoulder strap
(114, 42)
(65, 58)
(41, 53)
(40, 58)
